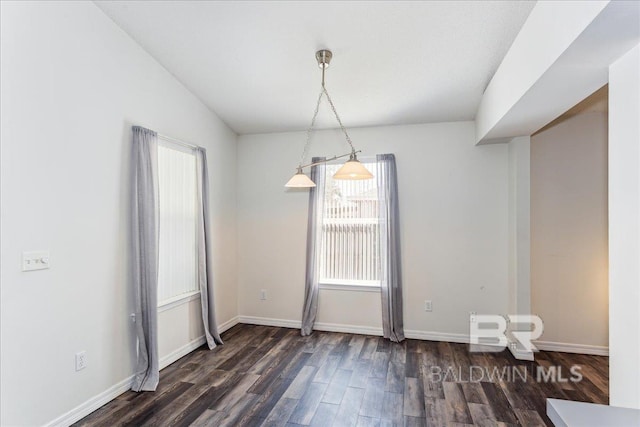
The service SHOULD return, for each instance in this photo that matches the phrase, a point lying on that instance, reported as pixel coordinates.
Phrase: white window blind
(178, 221)
(349, 253)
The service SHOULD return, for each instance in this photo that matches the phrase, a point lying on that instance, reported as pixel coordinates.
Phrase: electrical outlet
(472, 317)
(428, 305)
(263, 294)
(81, 360)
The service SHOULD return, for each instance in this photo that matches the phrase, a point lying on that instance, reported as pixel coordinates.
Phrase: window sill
(178, 300)
(357, 288)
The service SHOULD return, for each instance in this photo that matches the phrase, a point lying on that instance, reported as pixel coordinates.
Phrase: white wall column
(624, 230)
(519, 222)
(519, 234)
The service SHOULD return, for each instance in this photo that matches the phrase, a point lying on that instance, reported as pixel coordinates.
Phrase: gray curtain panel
(391, 286)
(314, 231)
(144, 241)
(205, 275)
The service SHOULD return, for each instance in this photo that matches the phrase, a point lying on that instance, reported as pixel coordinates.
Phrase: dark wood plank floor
(266, 376)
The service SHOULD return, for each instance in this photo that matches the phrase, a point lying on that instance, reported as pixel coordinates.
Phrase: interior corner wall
(569, 248)
(624, 230)
(453, 223)
(72, 85)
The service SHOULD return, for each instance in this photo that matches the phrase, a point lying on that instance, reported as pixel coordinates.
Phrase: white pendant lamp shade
(300, 180)
(353, 169)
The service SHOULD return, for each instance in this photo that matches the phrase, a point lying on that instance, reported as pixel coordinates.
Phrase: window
(177, 188)
(350, 236)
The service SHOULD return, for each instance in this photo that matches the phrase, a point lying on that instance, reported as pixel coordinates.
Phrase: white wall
(624, 230)
(453, 207)
(72, 85)
(569, 248)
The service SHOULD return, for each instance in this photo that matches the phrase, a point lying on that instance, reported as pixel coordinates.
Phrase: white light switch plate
(36, 260)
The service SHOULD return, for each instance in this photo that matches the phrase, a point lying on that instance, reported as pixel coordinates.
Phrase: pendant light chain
(310, 128)
(324, 91)
(335, 112)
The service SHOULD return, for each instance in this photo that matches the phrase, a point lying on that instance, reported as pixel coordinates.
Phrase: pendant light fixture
(352, 169)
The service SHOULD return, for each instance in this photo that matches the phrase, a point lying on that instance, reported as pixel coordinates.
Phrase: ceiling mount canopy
(324, 58)
(352, 169)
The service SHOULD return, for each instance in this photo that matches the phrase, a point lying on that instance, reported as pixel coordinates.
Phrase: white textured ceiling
(394, 62)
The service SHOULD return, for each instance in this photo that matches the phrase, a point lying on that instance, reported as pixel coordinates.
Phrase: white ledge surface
(566, 413)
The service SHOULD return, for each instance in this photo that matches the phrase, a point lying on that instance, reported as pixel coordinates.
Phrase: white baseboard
(223, 327)
(354, 329)
(347, 329)
(436, 336)
(81, 411)
(564, 347)
(319, 326)
(189, 347)
(268, 321)
(181, 352)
